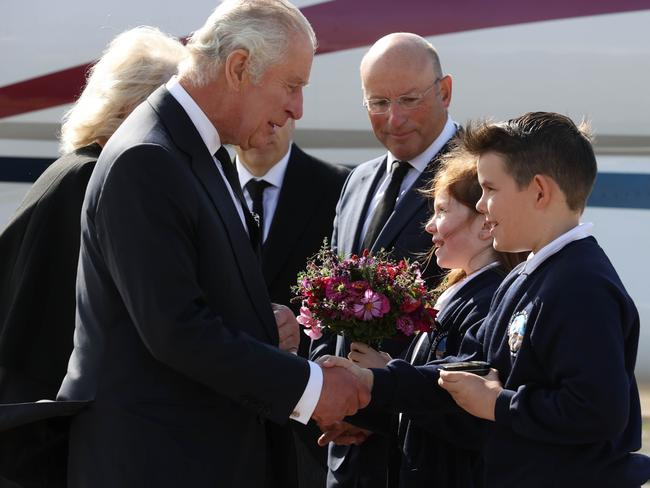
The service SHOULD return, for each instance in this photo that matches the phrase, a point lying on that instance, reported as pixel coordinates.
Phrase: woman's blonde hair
(458, 176)
(133, 65)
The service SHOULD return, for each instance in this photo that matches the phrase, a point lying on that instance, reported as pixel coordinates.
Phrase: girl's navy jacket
(447, 448)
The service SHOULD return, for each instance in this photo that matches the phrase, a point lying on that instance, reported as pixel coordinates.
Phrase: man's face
(508, 209)
(406, 133)
(267, 105)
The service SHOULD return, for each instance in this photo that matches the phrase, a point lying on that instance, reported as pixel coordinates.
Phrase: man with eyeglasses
(407, 97)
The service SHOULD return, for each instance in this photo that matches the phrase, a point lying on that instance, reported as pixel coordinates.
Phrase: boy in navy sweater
(562, 332)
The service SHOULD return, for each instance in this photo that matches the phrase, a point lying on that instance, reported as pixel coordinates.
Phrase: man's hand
(288, 328)
(365, 356)
(343, 434)
(475, 394)
(342, 395)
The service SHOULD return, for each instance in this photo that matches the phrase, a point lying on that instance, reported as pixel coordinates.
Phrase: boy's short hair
(540, 143)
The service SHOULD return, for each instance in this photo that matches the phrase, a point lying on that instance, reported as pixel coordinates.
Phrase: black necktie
(256, 189)
(387, 204)
(233, 180)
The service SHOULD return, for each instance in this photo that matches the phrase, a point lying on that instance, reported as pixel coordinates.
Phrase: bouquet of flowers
(366, 298)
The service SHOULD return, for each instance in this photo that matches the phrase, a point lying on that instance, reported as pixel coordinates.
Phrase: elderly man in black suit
(407, 97)
(176, 340)
(294, 196)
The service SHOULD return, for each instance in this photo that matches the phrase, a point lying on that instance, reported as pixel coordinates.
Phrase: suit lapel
(406, 208)
(189, 141)
(352, 223)
(409, 204)
(295, 209)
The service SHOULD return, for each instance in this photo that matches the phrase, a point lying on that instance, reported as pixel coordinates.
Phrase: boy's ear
(235, 68)
(543, 188)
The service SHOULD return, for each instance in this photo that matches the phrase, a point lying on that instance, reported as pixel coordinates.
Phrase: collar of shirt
(274, 176)
(421, 161)
(203, 125)
(449, 293)
(535, 260)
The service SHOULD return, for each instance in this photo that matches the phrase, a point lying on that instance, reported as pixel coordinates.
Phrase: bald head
(402, 50)
(405, 67)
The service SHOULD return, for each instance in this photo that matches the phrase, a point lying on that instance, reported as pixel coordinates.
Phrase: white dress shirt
(275, 177)
(534, 260)
(305, 407)
(418, 165)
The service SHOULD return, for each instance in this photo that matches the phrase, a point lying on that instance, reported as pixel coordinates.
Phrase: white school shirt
(534, 260)
(307, 404)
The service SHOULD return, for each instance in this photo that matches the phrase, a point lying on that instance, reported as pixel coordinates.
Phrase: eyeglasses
(378, 106)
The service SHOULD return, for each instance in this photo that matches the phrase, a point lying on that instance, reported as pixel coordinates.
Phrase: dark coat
(38, 268)
(175, 342)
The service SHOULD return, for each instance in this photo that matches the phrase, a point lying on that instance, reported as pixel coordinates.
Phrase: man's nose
(396, 114)
(295, 105)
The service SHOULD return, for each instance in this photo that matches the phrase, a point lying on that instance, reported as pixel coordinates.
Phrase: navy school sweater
(564, 340)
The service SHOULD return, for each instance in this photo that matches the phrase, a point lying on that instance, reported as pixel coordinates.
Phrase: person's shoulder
(367, 167)
(581, 265)
(71, 171)
(78, 161)
(320, 167)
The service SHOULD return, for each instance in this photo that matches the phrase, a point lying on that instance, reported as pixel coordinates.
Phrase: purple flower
(371, 305)
(335, 289)
(406, 325)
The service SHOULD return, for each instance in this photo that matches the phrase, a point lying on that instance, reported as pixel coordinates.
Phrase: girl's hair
(458, 176)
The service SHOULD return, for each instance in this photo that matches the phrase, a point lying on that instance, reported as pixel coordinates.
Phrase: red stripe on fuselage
(345, 24)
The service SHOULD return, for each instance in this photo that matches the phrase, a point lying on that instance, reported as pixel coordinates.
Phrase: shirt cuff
(307, 404)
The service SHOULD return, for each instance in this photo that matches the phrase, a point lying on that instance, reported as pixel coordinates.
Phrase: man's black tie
(233, 180)
(387, 203)
(256, 189)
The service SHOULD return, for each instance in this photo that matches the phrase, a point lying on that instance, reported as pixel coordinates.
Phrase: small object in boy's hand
(480, 368)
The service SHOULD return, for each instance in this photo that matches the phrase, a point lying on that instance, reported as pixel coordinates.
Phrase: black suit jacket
(39, 252)
(175, 339)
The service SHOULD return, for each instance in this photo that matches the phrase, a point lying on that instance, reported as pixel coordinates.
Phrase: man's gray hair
(263, 28)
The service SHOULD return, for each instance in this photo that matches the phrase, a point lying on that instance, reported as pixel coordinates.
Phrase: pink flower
(312, 326)
(335, 289)
(406, 325)
(372, 305)
(357, 288)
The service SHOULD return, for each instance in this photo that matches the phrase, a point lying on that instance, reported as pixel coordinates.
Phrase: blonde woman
(39, 248)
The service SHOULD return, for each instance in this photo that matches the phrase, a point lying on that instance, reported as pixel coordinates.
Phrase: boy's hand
(475, 394)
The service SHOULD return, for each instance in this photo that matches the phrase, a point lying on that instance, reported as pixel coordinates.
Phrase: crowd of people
(145, 283)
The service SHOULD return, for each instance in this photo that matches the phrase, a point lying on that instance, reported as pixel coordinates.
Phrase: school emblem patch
(516, 331)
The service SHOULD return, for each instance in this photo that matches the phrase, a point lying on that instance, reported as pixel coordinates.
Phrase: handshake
(346, 389)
